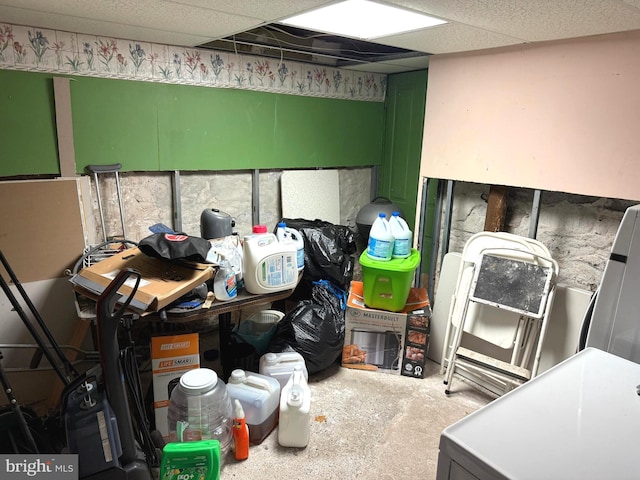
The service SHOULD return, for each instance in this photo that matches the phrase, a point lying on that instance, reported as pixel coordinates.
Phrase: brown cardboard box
(162, 281)
(383, 341)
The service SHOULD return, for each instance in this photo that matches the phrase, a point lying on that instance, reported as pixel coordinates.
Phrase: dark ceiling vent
(300, 45)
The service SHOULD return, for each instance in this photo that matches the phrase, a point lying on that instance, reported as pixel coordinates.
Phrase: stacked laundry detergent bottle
(389, 238)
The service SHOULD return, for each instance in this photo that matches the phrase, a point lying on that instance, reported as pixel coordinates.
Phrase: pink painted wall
(558, 116)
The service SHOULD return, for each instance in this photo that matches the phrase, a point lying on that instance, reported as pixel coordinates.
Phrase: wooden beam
(496, 209)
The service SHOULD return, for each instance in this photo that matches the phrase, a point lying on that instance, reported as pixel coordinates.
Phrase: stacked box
(171, 357)
(383, 341)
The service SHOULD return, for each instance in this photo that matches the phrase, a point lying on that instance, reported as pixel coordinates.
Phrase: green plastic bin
(387, 284)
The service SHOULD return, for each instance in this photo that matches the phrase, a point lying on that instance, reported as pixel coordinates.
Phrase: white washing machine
(615, 324)
(579, 420)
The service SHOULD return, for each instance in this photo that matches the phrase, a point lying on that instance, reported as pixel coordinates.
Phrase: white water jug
(294, 427)
(401, 236)
(288, 234)
(200, 409)
(281, 365)
(259, 396)
(380, 246)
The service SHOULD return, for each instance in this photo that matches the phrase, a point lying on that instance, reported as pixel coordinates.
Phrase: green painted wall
(28, 140)
(151, 126)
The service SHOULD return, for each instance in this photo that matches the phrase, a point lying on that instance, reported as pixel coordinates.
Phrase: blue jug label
(379, 248)
(300, 258)
(401, 247)
(278, 270)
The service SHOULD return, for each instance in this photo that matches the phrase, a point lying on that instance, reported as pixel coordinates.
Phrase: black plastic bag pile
(329, 254)
(314, 328)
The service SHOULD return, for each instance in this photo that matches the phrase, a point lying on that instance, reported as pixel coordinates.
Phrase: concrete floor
(365, 425)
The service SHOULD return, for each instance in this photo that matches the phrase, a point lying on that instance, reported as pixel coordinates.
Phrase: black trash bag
(329, 254)
(314, 328)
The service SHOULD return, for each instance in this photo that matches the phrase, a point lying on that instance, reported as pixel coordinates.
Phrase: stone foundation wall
(578, 230)
(147, 200)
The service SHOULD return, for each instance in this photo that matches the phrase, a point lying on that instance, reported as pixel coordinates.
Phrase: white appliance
(578, 420)
(615, 324)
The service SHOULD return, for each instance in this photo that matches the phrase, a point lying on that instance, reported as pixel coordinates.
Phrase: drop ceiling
(252, 26)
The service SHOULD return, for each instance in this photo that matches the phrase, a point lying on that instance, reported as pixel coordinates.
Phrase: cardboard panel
(40, 227)
(161, 281)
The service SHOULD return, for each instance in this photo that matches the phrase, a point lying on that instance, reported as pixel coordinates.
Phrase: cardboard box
(388, 342)
(171, 356)
(162, 281)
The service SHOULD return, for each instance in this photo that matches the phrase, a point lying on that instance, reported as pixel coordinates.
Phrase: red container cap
(259, 229)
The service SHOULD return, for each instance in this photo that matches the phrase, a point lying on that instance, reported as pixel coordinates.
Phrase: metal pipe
(535, 214)
(255, 197)
(34, 333)
(177, 202)
(118, 191)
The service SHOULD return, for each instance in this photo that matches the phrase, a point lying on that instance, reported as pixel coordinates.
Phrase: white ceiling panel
(393, 66)
(144, 14)
(536, 20)
(473, 25)
(268, 11)
(97, 27)
(450, 38)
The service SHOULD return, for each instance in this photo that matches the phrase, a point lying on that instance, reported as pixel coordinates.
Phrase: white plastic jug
(294, 428)
(380, 246)
(269, 266)
(298, 241)
(288, 234)
(259, 396)
(401, 236)
(281, 365)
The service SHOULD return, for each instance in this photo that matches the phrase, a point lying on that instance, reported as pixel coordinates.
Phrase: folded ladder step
(493, 363)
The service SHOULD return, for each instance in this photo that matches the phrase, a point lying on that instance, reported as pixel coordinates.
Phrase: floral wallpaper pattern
(42, 50)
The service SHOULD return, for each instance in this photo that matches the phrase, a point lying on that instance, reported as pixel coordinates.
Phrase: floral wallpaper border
(43, 50)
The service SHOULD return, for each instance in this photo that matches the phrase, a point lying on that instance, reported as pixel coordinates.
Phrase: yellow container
(387, 283)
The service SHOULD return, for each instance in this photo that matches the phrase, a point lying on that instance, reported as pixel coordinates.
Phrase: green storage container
(387, 284)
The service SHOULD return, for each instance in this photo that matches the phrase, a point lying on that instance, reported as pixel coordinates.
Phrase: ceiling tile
(449, 38)
(144, 14)
(99, 28)
(268, 11)
(536, 20)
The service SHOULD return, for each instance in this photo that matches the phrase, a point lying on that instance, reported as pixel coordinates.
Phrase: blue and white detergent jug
(402, 236)
(288, 234)
(380, 246)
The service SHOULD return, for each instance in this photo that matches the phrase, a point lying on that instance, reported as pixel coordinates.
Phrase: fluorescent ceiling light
(362, 19)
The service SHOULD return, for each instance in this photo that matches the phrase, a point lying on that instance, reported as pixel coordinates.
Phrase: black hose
(136, 399)
(586, 323)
